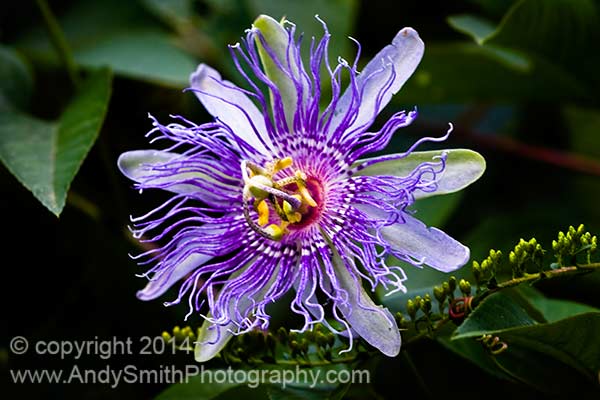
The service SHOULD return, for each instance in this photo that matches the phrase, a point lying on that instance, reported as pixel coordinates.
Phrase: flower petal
(211, 340)
(277, 39)
(223, 100)
(163, 282)
(376, 82)
(430, 245)
(213, 337)
(373, 323)
(139, 166)
(463, 167)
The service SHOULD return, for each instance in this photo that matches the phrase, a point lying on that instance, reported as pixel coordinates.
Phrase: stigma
(282, 199)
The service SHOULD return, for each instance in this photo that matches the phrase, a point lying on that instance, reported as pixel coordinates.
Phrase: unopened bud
(465, 287)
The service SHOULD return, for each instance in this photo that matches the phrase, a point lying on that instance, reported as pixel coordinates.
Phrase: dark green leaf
(122, 36)
(45, 156)
(16, 82)
(174, 12)
(478, 28)
(474, 352)
(567, 345)
(435, 210)
(494, 7)
(495, 313)
(280, 382)
(147, 55)
(440, 76)
(553, 309)
(572, 341)
(553, 32)
(338, 14)
(198, 388)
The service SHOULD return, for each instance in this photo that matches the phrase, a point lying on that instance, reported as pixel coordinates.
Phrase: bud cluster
(575, 241)
(485, 273)
(524, 252)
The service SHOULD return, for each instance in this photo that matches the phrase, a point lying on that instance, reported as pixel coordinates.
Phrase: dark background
(70, 278)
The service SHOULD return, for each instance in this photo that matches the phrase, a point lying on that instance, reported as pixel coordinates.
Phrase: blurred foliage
(518, 78)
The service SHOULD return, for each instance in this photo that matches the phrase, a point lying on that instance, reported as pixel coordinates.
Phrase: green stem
(549, 274)
(564, 271)
(59, 42)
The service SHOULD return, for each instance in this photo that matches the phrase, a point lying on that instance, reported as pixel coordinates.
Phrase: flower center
(284, 204)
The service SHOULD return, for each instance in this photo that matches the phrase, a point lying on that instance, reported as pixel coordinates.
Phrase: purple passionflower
(274, 194)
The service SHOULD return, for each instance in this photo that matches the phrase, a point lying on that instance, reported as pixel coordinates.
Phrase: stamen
(289, 206)
(301, 182)
(278, 165)
(275, 231)
(263, 212)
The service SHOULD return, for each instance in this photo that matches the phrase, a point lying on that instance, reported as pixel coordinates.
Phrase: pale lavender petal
(373, 323)
(429, 245)
(140, 166)
(211, 340)
(223, 100)
(383, 77)
(161, 283)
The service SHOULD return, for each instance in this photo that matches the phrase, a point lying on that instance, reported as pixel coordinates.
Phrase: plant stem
(564, 271)
(549, 274)
(59, 42)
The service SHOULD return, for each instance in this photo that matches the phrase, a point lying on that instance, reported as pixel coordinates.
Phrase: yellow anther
(282, 164)
(306, 197)
(262, 208)
(301, 182)
(275, 231)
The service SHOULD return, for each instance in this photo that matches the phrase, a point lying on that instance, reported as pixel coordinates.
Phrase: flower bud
(411, 308)
(465, 287)
(452, 283)
(439, 294)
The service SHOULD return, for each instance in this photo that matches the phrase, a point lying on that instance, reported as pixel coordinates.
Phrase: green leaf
(339, 15)
(571, 340)
(174, 12)
(280, 382)
(436, 210)
(474, 352)
(555, 32)
(45, 156)
(16, 83)
(145, 55)
(121, 35)
(495, 313)
(495, 73)
(566, 349)
(197, 388)
(553, 309)
(478, 28)
(494, 7)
